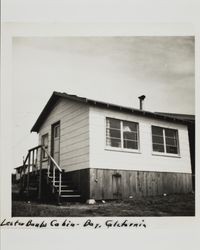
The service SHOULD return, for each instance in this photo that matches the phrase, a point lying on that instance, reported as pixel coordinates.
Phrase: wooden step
(63, 182)
(62, 177)
(31, 189)
(62, 186)
(70, 196)
(68, 191)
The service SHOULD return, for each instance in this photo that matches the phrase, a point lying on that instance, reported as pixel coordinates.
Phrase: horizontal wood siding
(137, 183)
(145, 159)
(74, 133)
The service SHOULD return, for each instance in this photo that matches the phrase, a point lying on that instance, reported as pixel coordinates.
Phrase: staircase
(63, 187)
(51, 183)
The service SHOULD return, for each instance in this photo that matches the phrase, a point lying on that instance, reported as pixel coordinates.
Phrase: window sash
(170, 144)
(127, 136)
(45, 144)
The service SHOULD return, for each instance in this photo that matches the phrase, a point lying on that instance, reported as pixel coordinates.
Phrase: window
(45, 142)
(130, 135)
(121, 134)
(113, 133)
(57, 131)
(165, 140)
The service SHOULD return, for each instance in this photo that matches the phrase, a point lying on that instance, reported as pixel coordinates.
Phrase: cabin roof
(177, 118)
(185, 117)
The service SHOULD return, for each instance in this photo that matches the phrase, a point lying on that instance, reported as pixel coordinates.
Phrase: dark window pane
(170, 141)
(130, 126)
(130, 144)
(170, 133)
(113, 123)
(158, 148)
(45, 145)
(56, 131)
(157, 131)
(113, 142)
(130, 136)
(115, 133)
(172, 150)
(158, 139)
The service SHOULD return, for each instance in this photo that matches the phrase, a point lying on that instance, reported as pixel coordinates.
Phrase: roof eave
(45, 110)
(56, 95)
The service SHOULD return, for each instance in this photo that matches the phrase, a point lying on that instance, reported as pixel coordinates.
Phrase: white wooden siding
(145, 160)
(74, 133)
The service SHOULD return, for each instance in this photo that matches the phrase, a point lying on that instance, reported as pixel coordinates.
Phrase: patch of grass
(170, 205)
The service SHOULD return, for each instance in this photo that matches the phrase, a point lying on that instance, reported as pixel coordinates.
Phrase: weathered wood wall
(121, 184)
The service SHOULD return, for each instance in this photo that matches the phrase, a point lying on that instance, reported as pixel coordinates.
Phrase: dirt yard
(170, 205)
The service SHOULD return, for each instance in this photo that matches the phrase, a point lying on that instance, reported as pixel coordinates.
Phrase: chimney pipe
(141, 98)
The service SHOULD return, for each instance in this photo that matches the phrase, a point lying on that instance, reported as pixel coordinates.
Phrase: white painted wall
(100, 157)
(83, 140)
(74, 133)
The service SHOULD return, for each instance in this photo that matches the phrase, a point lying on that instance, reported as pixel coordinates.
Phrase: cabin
(91, 150)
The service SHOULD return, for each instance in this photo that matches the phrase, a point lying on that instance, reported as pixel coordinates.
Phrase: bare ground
(170, 205)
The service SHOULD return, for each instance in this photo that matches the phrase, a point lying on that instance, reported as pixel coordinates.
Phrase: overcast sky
(111, 69)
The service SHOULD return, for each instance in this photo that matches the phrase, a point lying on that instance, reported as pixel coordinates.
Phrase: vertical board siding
(137, 183)
(145, 159)
(74, 133)
(80, 180)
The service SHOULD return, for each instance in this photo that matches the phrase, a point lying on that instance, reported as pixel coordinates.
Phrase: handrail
(52, 159)
(31, 149)
(32, 155)
(24, 162)
(54, 169)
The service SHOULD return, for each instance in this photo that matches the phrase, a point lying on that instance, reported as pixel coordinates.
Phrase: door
(55, 143)
(116, 186)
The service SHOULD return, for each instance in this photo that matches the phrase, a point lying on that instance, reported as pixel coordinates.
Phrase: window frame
(164, 142)
(122, 148)
(44, 155)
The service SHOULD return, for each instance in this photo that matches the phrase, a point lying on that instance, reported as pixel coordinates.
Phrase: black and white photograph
(99, 124)
(112, 122)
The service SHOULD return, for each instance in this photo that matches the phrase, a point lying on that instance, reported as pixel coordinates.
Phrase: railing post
(40, 176)
(33, 159)
(21, 170)
(28, 177)
(54, 172)
(24, 170)
(60, 183)
(21, 176)
(48, 167)
(36, 159)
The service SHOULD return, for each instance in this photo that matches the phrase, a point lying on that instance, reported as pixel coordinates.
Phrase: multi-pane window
(45, 142)
(165, 140)
(121, 134)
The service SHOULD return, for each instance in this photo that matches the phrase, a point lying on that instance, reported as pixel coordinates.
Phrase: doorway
(116, 186)
(55, 142)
